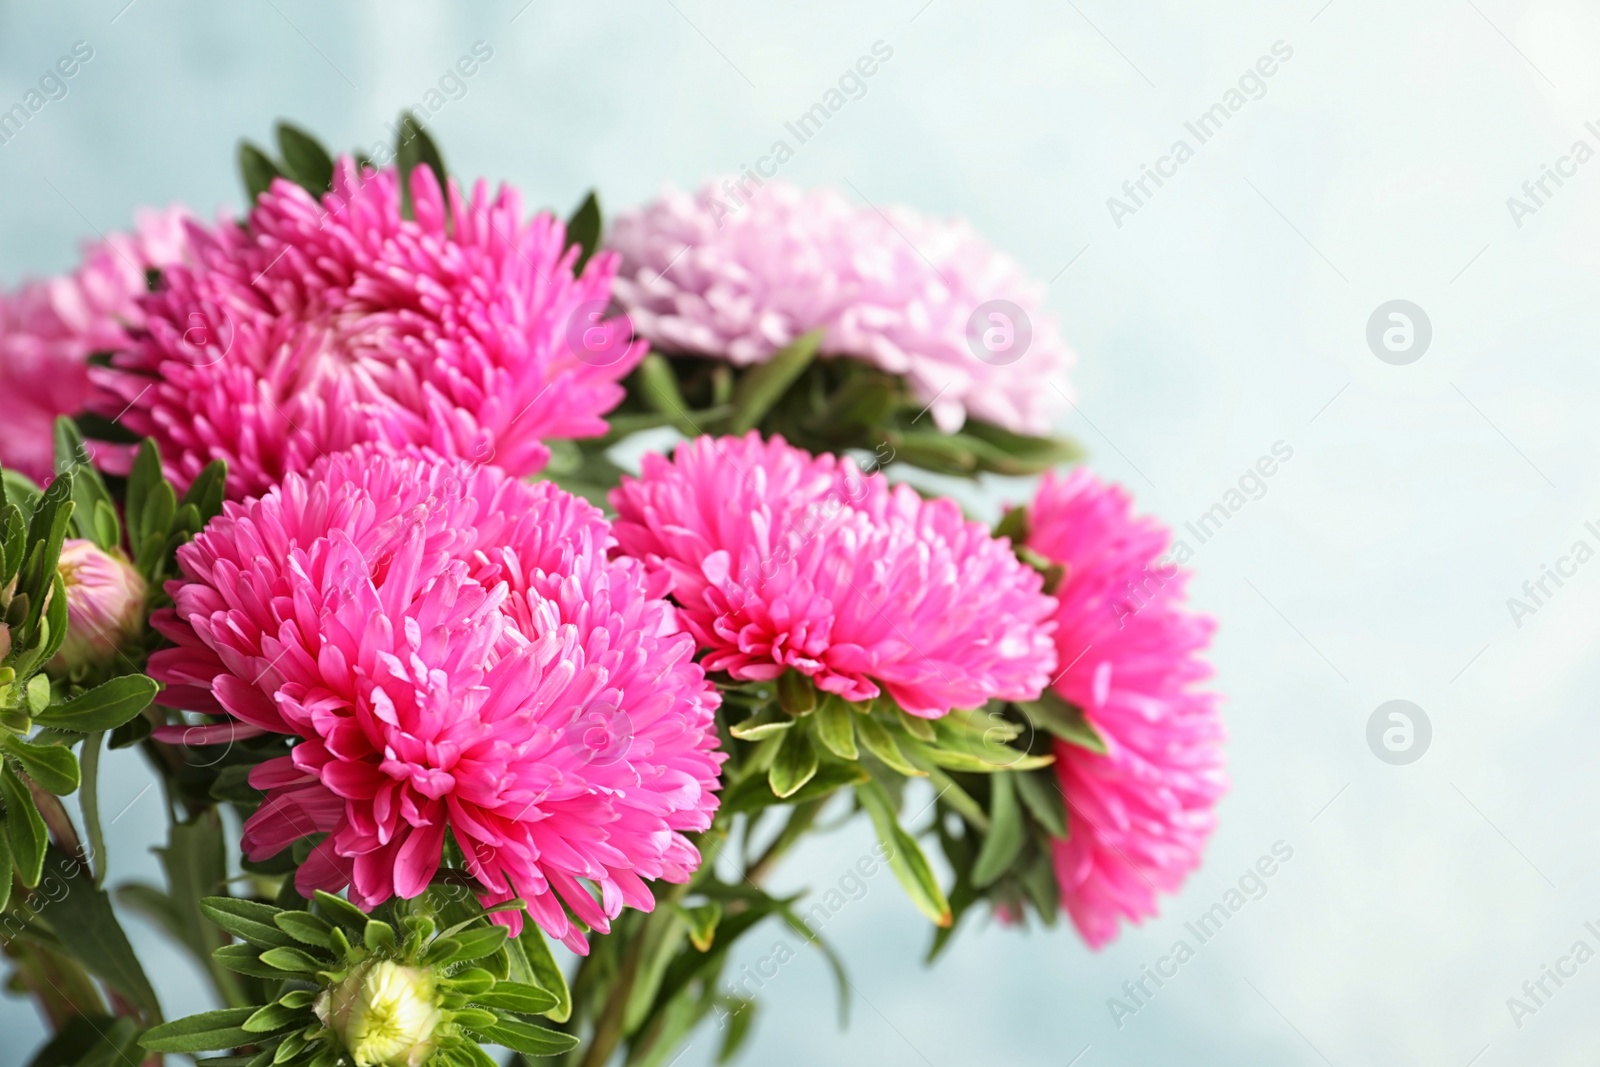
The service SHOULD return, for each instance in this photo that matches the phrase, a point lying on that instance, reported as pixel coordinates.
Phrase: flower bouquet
(327, 510)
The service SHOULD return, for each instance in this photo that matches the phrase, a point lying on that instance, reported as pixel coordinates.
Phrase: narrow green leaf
(245, 959)
(1042, 797)
(796, 693)
(878, 741)
(741, 1014)
(755, 792)
(343, 912)
(273, 1017)
(836, 727)
(701, 921)
(292, 960)
(762, 385)
(256, 170)
(1006, 832)
(762, 725)
(919, 728)
(5, 863)
(795, 764)
(414, 147)
(105, 707)
(583, 230)
(25, 828)
(547, 974)
(472, 944)
(305, 162)
(305, 928)
(906, 859)
(1064, 720)
(53, 767)
(209, 1030)
(248, 920)
(83, 921)
(518, 997)
(207, 489)
(528, 1039)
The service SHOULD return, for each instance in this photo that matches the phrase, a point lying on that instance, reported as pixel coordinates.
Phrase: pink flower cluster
(783, 560)
(50, 328)
(1140, 814)
(317, 324)
(908, 293)
(454, 651)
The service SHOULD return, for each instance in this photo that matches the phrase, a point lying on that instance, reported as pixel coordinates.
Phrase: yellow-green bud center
(386, 1014)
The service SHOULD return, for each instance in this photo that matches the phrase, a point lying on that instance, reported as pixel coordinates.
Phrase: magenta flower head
(781, 559)
(105, 604)
(453, 651)
(321, 323)
(1141, 813)
(49, 328)
(738, 272)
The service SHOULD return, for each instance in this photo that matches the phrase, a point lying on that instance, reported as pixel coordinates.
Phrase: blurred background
(1218, 317)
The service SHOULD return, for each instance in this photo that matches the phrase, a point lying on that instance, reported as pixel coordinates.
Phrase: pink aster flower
(50, 327)
(739, 276)
(321, 323)
(782, 559)
(105, 603)
(453, 650)
(1141, 813)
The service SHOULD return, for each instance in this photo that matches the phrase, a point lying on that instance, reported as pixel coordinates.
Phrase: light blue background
(1228, 314)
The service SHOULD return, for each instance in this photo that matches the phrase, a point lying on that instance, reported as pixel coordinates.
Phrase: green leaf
(248, 920)
(305, 161)
(83, 921)
(209, 1030)
(142, 479)
(754, 793)
(762, 725)
(467, 945)
(701, 921)
(245, 959)
(836, 727)
(546, 973)
(1043, 798)
(583, 230)
(292, 961)
(91, 1041)
(1004, 840)
(21, 492)
(256, 170)
(88, 489)
(528, 1039)
(343, 912)
(413, 147)
(878, 741)
(762, 385)
(207, 490)
(519, 997)
(741, 1014)
(25, 828)
(1064, 720)
(5, 864)
(305, 928)
(53, 767)
(795, 764)
(910, 866)
(796, 694)
(663, 935)
(105, 707)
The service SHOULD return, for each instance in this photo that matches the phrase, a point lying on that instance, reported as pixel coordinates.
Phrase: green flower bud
(387, 1014)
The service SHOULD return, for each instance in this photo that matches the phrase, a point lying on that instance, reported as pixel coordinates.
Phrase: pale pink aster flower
(105, 604)
(782, 559)
(1140, 814)
(321, 323)
(454, 651)
(50, 327)
(739, 276)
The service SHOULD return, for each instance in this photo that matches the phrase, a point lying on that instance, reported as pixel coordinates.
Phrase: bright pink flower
(454, 651)
(1140, 814)
(740, 275)
(320, 324)
(50, 327)
(783, 559)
